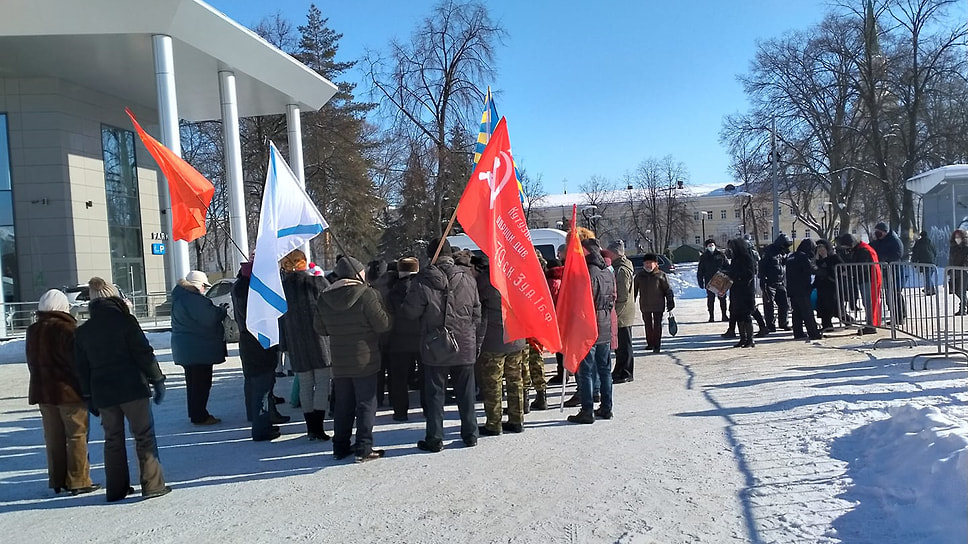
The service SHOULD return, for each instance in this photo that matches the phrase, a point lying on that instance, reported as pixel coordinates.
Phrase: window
(698, 241)
(806, 233)
(8, 240)
(696, 216)
(709, 214)
(780, 212)
(853, 231)
(124, 209)
(723, 239)
(736, 213)
(793, 234)
(836, 232)
(722, 214)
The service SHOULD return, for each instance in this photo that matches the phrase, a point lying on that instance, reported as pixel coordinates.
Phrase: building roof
(106, 45)
(622, 195)
(925, 182)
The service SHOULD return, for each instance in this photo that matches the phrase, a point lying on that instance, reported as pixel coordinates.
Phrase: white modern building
(79, 195)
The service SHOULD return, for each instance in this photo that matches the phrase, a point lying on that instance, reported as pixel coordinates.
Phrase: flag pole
(564, 380)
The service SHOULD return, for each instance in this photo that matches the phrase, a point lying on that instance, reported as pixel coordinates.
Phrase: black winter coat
(800, 268)
(654, 292)
(197, 334)
(742, 294)
(924, 251)
(115, 362)
(709, 264)
(826, 284)
(771, 269)
(425, 303)
(603, 295)
(255, 359)
(493, 320)
(306, 348)
(404, 337)
(889, 249)
(353, 316)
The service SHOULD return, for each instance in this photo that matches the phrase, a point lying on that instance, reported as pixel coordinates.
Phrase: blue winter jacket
(197, 335)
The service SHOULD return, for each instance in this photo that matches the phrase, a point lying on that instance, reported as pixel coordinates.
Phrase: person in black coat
(926, 254)
(712, 260)
(800, 268)
(742, 295)
(197, 342)
(772, 276)
(258, 364)
(308, 351)
(425, 303)
(117, 372)
(825, 282)
(890, 249)
(403, 341)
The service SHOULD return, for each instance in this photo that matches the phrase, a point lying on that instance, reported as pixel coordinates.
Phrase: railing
(152, 310)
(954, 338)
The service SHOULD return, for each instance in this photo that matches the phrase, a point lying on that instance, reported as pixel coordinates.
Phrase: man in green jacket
(625, 310)
(352, 314)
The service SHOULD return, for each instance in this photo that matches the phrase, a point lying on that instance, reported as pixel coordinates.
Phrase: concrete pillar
(233, 168)
(294, 130)
(178, 265)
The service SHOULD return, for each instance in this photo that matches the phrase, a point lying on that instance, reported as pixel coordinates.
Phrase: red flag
(490, 212)
(190, 192)
(576, 308)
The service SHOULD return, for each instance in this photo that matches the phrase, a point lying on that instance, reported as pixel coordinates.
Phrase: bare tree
(433, 83)
(532, 191)
(658, 205)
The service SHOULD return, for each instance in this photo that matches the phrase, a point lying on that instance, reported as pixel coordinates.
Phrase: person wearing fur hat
(445, 294)
(54, 386)
(197, 342)
(655, 296)
(308, 351)
(403, 341)
(352, 314)
(117, 370)
(800, 269)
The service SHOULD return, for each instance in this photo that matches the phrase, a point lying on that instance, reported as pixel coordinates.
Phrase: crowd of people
(360, 332)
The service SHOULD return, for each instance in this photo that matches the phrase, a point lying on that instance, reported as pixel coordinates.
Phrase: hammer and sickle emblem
(492, 176)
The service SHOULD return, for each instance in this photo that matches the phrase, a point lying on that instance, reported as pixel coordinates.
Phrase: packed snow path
(787, 442)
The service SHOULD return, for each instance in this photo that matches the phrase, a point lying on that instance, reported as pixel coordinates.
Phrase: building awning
(105, 45)
(938, 178)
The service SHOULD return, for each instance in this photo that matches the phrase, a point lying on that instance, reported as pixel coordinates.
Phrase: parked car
(665, 264)
(79, 296)
(220, 293)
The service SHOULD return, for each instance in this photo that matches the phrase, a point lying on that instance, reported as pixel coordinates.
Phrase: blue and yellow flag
(489, 120)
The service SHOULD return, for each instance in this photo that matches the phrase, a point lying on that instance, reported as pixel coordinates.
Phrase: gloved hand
(91, 408)
(159, 387)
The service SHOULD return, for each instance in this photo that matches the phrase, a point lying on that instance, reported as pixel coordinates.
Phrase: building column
(238, 229)
(178, 265)
(294, 130)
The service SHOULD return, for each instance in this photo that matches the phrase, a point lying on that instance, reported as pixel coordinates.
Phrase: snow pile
(683, 282)
(12, 351)
(912, 470)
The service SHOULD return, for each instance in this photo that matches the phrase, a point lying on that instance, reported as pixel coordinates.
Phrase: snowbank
(12, 351)
(912, 468)
(683, 282)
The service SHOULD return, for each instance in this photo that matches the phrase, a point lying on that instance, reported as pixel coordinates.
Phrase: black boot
(540, 401)
(731, 331)
(310, 418)
(741, 329)
(748, 326)
(320, 430)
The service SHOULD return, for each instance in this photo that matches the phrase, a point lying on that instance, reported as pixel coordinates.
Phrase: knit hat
(408, 265)
(98, 288)
(882, 226)
(198, 279)
(445, 250)
(617, 247)
(53, 301)
(349, 268)
(846, 239)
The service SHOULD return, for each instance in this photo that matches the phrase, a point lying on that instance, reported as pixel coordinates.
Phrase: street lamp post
(702, 216)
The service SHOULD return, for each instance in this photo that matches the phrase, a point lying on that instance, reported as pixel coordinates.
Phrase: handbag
(441, 343)
(673, 325)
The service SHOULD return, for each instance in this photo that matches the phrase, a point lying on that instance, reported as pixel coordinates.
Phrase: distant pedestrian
(54, 386)
(655, 295)
(354, 317)
(712, 261)
(116, 365)
(800, 268)
(742, 297)
(958, 279)
(197, 342)
(825, 282)
(926, 254)
(308, 351)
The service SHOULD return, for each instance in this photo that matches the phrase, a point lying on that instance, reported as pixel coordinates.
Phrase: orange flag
(576, 308)
(190, 192)
(490, 212)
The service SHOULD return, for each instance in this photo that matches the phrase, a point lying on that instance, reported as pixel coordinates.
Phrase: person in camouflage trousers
(500, 362)
(533, 376)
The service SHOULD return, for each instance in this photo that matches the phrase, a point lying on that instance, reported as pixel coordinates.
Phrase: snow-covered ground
(829, 441)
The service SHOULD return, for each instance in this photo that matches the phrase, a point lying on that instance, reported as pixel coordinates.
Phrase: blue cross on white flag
(288, 220)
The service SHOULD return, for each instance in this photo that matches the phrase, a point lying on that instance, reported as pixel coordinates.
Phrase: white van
(546, 241)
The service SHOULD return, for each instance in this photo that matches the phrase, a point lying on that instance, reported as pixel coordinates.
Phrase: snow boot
(582, 417)
(319, 430)
(540, 401)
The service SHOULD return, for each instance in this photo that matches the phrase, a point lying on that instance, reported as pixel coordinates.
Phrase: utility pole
(774, 159)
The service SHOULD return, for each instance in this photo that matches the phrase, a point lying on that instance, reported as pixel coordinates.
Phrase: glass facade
(8, 241)
(124, 209)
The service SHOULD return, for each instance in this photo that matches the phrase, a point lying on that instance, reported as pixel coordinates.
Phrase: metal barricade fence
(862, 295)
(152, 310)
(953, 318)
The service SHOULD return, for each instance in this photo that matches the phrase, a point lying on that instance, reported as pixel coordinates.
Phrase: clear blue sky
(593, 88)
